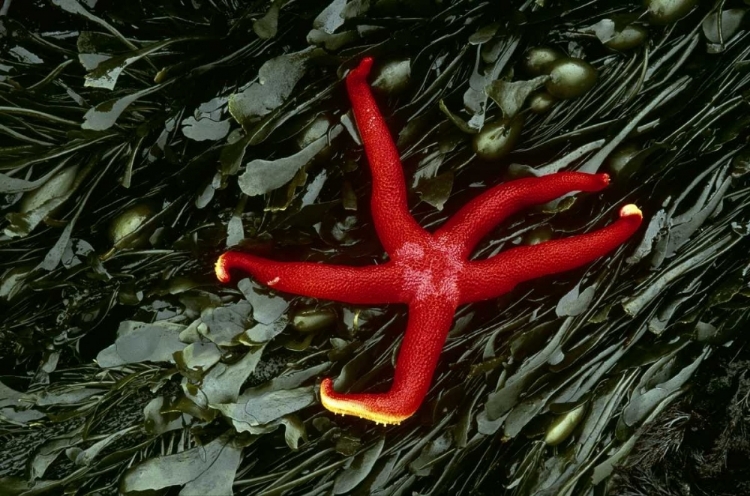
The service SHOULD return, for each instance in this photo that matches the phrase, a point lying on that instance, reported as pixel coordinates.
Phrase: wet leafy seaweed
(139, 140)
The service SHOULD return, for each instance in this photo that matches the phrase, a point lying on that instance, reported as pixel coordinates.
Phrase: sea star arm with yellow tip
(490, 278)
(428, 326)
(369, 285)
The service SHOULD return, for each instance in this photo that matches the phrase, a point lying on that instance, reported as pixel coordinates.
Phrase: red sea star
(430, 273)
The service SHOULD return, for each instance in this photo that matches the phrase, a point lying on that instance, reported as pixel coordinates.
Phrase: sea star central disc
(430, 272)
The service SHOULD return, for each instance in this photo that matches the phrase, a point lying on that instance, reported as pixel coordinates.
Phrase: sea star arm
(485, 279)
(390, 211)
(369, 285)
(429, 323)
(470, 224)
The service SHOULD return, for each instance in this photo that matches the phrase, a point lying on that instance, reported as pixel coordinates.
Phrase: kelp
(138, 140)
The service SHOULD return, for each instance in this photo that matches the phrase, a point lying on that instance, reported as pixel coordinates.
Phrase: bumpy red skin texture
(430, 273)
